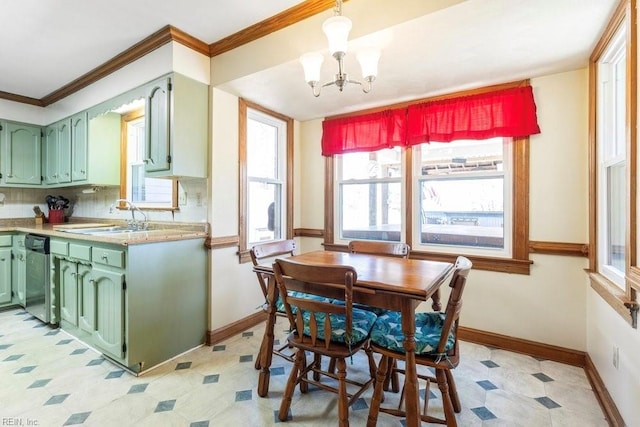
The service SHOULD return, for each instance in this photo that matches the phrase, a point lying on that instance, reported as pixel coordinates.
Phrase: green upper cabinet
(176, 127)
(56, 153)
(21, 154)
(79, 147)
(158, 120)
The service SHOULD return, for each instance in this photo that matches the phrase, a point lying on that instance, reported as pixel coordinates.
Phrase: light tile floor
(47, 378)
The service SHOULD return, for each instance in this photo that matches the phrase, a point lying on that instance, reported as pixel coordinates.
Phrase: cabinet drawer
(5, 240)
(18, 240)
(81, 252)
(59, 247)
(111, 257)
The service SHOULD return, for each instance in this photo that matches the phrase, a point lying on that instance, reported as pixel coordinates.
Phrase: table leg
(412, 397)
(266, 349)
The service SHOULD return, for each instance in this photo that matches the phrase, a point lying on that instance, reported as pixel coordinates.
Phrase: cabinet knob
(104, 257)
(149, 161)
(82, 172)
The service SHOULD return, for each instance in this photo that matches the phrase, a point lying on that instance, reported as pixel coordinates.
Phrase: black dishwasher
(38, 298)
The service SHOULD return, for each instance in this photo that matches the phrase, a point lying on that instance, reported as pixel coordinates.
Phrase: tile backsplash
(19, 202)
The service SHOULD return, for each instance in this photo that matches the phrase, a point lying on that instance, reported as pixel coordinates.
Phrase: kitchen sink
(103, 231)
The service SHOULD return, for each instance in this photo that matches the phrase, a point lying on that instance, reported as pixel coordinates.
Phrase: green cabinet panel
(5, 275)
(87, 299)
(19, 270)
(157, 121)
(79, 147)
(109, 311)
(69, 291)
(111, 257)
(21, 154)
(56, 153)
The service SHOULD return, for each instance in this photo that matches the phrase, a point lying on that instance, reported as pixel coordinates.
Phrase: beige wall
(529, 307)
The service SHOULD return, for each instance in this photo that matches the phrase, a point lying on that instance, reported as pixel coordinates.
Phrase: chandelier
(337, 30)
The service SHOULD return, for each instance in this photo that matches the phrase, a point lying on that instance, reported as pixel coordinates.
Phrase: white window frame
(281, 174)
(337, 205)
(506, 174)
(611, 145)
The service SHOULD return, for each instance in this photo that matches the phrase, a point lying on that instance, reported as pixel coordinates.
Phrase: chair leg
(343, 398)
(453, 392)
(259, 358)
(332, 365)
(372, 420)
(317, 362)
(291, 385)
(447, 405)
(392, 377)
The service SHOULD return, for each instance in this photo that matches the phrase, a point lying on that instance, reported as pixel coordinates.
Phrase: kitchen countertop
(158, 231)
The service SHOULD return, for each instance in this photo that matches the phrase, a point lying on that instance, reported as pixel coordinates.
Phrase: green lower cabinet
(86, 299)
(5, 276)
(69, 292)
(140, 305)
(109, 311)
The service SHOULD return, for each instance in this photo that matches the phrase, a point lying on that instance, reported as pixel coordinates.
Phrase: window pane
(616, 189)
(264, 212)
(462, 212)
(262, 149)
(379, 164)
(460, 194)
(371, 211)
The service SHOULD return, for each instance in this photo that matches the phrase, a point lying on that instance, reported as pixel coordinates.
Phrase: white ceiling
(470, 44)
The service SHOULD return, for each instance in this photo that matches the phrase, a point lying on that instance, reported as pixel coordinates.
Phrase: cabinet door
(109, 328)
(50, 155)
(64, 151)
(79, 147)
(158, 122)
(22, 154)
(69, 291)
(19, 275)
(87, 299)
(5, 275)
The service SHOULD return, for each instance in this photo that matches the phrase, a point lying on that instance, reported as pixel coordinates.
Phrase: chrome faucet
(133, 208)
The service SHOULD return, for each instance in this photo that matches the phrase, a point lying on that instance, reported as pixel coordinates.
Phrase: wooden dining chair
(260, 253)
(394, 249)
(437, 347)
(379, 248)
(324, 329)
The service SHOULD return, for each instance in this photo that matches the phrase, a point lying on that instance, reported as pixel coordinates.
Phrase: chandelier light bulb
(368, 59)
(337, 30)
(312, 63)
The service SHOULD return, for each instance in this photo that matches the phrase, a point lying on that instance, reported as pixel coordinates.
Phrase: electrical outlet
(182, 198)
(616, 357)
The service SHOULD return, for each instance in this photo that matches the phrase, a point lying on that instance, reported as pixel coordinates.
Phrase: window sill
(615, 297)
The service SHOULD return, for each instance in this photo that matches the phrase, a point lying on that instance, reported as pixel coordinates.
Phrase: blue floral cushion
(296, 294)
(363, 321)
(376, 310)
(387, 332)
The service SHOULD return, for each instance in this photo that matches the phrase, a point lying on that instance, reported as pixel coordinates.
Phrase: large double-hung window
(461, 190)
(266, 156)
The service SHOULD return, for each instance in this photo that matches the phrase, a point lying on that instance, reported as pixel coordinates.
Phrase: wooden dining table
(385, 282)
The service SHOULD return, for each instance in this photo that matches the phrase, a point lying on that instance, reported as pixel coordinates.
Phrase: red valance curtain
(507, 113)
(368, 132)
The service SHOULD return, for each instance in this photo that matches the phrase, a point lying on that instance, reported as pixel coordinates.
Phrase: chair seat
(363, 321)
(387, 332)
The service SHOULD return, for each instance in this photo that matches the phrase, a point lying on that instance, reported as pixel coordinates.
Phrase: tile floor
(47, 378)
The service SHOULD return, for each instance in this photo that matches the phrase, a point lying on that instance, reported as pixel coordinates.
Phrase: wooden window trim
(519, 262)
(243, 104)
(624, 301)
(124, 119)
